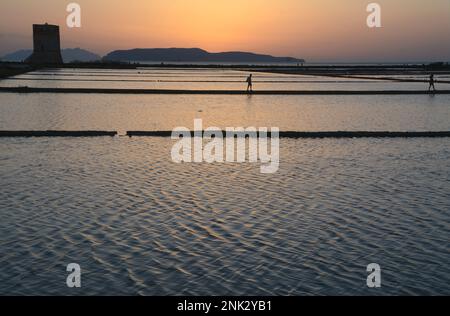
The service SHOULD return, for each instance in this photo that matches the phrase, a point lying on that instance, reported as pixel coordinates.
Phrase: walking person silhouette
(249, 83)
(432, 83)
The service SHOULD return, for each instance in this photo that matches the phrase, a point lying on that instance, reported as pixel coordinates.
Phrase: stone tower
(46, 45)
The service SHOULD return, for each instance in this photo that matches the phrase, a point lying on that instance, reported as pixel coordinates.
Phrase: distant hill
(78, 54)
(193, 55)
(17, 56)
(68, 54)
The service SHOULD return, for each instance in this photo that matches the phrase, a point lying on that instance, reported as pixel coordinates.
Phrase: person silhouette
(249, 83)
(431, 83)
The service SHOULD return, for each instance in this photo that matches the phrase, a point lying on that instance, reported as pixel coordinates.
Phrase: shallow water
(165, 112)
(139, 224)
(198, 79)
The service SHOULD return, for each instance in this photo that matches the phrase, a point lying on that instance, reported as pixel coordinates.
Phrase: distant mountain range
(158, 55)
(68, 55)
(193, 55)
(17, 56)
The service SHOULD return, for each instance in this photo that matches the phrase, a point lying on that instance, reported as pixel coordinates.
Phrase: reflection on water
(199, 79)
(164, 112)
(139, 224)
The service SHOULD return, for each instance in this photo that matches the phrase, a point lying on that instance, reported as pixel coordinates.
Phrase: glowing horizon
(316, 30)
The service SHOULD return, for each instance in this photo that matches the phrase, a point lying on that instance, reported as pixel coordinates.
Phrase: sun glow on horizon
(311, 29)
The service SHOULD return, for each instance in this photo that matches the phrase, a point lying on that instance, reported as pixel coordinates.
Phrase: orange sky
(317, 30)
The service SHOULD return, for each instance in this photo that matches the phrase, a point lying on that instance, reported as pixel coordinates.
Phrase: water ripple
(139, 224)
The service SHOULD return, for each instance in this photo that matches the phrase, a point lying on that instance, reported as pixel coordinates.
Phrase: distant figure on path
(249, 84)
(431, 83)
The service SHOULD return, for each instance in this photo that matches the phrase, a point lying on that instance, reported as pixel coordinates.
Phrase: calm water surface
(139, 224)
(164, 112)
(203, 79)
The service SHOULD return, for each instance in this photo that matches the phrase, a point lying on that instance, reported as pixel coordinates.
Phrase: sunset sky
(317, 30)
